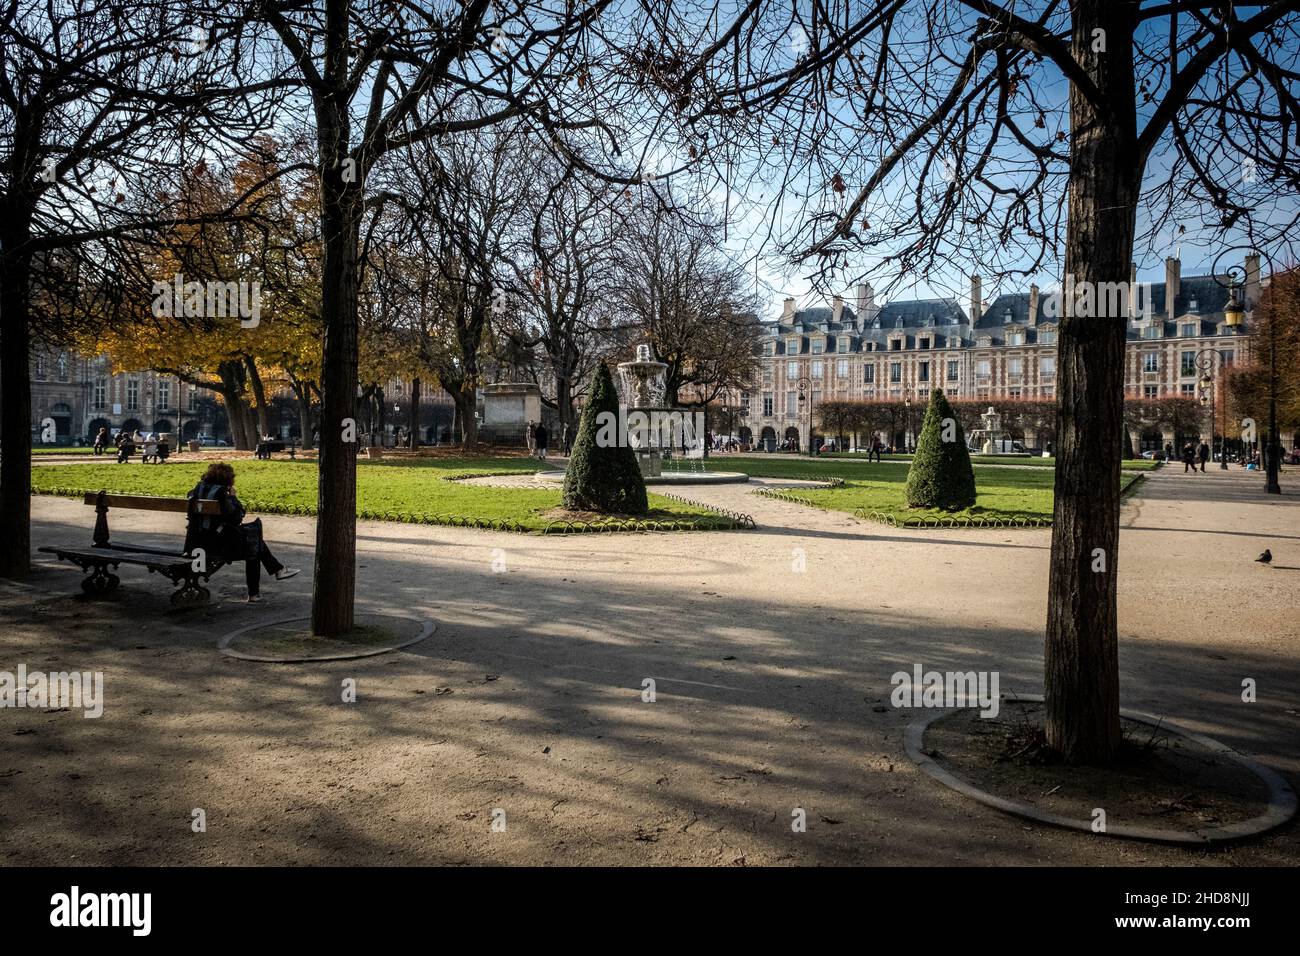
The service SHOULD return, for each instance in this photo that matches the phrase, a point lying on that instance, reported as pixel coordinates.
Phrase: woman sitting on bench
(226, 536)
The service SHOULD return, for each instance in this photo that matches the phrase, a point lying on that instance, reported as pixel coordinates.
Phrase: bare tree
(942, 137)
(100, 105)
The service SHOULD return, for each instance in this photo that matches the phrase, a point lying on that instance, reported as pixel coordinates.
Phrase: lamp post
(907, 422)
(1205, 362)
(805, 396)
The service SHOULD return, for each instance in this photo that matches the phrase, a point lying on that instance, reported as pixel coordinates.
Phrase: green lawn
(878, 489)
(1133, 464)
(67, 450)
(410, 490)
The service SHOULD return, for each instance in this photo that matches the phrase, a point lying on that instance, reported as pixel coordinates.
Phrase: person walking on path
(1189, 458)
(540, 439)
(530, 436)
(568, 439)
(1203, 455)
(1169, 451)
(226, 536)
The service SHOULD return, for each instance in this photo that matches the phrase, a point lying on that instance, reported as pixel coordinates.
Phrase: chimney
(865, 297)
(1033, 304)
(1252, 280)
(788, 314)
(837, 308)
(976, 298)
(1173, 281)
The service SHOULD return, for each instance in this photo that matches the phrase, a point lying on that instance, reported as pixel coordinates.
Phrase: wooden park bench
(175, 565)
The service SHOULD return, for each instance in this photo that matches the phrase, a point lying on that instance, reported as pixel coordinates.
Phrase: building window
(1016, 366)
(194, 399)
(816, 369)
(791, 403)
(1190, 329)
(1047, 365)
(983, 368)
(923, 344)
(869, 374)
(842, 368)
(133, 393)
(164, 393)
(40, 367)
(791, 369)
(63, 366)
(953, 366)
(924, 369)
(1151, 362)
(1151, 331)
(792, 347)
(1016, 338)
(817, 345)
(99, 396)
(1188, 365)
(1188, 390)
(769, 348)
(1150, 391)
(895, 345)
(1227, 356)
(1047, 337)
(843, 344)
(1013, 393)
(895, 371)
(767, 405)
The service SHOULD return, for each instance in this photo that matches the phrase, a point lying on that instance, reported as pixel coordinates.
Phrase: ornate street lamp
(805, 396)
(1205, 362)
(907, 422)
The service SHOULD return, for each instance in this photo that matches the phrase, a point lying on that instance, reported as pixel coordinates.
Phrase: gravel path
(771, 652)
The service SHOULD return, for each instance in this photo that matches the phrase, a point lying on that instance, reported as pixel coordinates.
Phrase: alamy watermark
(179, 299)
(79, 690)
(1098, 300)
(653, 429)
(947, 689)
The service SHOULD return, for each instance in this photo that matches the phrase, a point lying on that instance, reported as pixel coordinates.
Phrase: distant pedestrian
(102, 438)
(1203, 455)
(568, 439)
(1189, 458)
(530, 435)
(539, 438)
(1169, 451)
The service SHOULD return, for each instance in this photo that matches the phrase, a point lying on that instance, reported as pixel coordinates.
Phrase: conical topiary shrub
(941, 475)
(603, 476)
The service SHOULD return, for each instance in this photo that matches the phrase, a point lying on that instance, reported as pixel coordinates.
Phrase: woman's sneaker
(253, 599)
(285, 574)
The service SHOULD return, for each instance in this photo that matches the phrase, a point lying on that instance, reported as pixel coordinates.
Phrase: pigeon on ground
(1266, 557)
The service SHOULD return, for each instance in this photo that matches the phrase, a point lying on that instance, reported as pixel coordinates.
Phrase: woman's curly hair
(219, 473)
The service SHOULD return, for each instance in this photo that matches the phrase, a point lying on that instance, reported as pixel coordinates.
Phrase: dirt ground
(771, 653)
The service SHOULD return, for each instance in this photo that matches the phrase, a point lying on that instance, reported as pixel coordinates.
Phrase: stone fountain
(988, 439)
(642, 403)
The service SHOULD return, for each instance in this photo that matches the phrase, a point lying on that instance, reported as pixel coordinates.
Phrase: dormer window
(1007, 317)
(875, 324)
(1192, 306)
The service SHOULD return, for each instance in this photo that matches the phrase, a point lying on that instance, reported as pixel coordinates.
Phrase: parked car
(209, 441)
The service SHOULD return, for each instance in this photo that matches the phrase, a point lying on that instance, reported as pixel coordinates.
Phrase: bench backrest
(208, 506)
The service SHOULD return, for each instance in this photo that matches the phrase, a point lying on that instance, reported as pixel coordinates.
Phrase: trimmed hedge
(941, 475)
(603, 478)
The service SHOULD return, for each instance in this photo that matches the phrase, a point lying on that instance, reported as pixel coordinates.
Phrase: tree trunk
(260, 406)
(1081, 660)
(16, 406)
(465, 399)
(336, 500)
(302, 391)
(413, 423)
